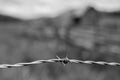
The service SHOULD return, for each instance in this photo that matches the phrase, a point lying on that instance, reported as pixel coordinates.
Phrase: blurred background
(92, 36)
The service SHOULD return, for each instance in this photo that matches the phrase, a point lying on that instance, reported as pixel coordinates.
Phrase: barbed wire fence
(65, 61)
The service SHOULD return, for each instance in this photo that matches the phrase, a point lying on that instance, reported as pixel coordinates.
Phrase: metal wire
(61, 60)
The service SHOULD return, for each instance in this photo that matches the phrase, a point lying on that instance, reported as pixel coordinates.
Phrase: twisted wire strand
(63, 60)
(96, 62)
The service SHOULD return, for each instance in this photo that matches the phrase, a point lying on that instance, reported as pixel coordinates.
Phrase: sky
(31, 9)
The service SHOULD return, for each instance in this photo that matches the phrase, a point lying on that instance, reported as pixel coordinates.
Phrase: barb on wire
(65, 61)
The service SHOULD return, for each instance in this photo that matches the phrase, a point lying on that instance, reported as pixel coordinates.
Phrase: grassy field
(94, 36)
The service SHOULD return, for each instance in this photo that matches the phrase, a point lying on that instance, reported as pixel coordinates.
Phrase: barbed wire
(61, 60)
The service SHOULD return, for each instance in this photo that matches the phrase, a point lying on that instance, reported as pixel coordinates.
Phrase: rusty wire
(61, 60)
